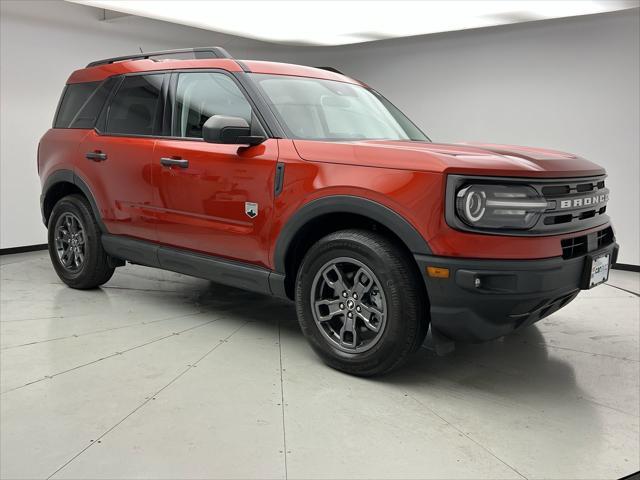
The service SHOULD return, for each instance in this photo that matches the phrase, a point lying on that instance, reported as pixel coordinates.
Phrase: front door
(213, 198)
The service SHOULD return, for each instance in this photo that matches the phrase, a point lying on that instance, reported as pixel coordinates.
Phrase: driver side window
(200, 95)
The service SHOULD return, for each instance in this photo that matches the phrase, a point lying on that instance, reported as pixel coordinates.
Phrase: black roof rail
(331, 69)
(200, 52)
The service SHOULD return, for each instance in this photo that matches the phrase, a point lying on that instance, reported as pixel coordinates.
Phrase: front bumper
(486, 299)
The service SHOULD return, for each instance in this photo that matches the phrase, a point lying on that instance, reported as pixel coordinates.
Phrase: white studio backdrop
(42, 42)
(567, 84)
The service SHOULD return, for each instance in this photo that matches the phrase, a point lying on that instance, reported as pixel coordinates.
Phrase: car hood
(467, 158)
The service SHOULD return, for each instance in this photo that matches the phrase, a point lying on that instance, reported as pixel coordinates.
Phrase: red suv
(304, 183)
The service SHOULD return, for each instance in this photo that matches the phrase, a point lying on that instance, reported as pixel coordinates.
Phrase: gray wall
(570, 84)
(41, 43)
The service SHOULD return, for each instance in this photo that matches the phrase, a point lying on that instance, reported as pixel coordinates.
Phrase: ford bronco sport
(306, 184)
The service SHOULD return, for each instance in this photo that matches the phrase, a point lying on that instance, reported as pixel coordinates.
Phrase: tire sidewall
(399, 321)
(72, 204)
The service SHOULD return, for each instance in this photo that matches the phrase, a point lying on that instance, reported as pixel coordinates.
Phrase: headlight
(514, 207)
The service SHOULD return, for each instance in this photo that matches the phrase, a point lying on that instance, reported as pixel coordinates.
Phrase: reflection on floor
(159, 375)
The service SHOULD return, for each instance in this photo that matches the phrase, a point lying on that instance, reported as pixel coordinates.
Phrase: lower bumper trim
(486, 299)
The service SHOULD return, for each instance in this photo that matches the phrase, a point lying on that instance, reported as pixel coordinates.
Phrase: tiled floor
(159, 375)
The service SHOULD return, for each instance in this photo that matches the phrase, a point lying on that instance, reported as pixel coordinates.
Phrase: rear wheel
(360, 302)
(74, 244)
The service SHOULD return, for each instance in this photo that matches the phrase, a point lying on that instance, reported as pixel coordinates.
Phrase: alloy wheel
(348, 305)
(70, 242)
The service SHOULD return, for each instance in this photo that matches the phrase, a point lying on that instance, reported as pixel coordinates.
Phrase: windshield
(316, 109)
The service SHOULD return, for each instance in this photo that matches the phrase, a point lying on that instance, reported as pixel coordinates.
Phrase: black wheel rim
(70, 242)
(348, 305)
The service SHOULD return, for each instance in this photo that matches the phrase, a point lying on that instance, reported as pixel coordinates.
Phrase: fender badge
(251, 209)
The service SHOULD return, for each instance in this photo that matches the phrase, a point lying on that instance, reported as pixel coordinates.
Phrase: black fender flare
(69, 176)
(347, 204)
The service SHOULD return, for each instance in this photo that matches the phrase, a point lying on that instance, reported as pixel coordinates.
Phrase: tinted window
(86, 117)
(201, 95)
(134, 107)
(73, 98)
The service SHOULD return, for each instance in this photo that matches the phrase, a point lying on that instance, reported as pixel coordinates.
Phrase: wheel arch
(60, 184)
(329, 214)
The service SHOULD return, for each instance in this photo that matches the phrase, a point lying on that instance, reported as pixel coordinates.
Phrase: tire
(395, 302)
(90, 268)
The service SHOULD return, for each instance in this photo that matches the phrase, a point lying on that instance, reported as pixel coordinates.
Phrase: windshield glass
(316, 109)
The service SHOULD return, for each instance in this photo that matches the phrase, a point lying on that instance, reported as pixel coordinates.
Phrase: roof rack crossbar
(200, 52)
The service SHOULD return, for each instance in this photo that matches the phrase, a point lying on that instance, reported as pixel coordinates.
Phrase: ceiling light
(316, 22)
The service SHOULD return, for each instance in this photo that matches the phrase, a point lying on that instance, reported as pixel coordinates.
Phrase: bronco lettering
(583, 201)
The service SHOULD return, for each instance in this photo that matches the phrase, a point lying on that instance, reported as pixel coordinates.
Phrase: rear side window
(73, 98)
(134, 108)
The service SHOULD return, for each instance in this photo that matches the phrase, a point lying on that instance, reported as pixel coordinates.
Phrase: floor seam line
(93, 362)
(467, 436)
(547, 345)
(39, 318)
(155, 290)
(78, 335)
(602, 405)
(623, 289)
(284, 429)
(148, 399)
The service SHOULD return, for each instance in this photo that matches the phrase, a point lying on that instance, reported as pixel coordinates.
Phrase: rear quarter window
(73, 98)
(86, 117)
(81, 103)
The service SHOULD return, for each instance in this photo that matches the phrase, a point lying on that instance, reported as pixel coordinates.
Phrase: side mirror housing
(229, 130)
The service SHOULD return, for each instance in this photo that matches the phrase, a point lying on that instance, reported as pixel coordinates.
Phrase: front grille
(578, 246)
(555, 190)
(574, 203)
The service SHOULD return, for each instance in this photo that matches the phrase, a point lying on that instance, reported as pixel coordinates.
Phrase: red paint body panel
(503, 161)
(121, 185)
(410, 180)
(138, 197)
(58, 150)
(202, 207)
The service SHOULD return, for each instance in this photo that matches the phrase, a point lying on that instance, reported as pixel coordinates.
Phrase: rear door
(115, 158)
(217, 198)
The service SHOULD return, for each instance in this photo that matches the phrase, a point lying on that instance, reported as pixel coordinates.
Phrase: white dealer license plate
(599, 270)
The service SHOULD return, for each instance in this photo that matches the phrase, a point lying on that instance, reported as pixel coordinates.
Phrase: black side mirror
(231, 130)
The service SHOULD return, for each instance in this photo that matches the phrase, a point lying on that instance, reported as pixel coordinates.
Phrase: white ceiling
(316, 22)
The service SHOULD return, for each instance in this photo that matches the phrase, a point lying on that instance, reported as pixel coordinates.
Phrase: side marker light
(438, 272)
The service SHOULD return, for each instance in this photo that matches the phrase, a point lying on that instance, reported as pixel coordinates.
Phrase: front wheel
(360, 302)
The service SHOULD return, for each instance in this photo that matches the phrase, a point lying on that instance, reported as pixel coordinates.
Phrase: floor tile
(161, 375)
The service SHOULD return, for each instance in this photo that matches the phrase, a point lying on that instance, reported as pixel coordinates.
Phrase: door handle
(174, 162)
(96, 156)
